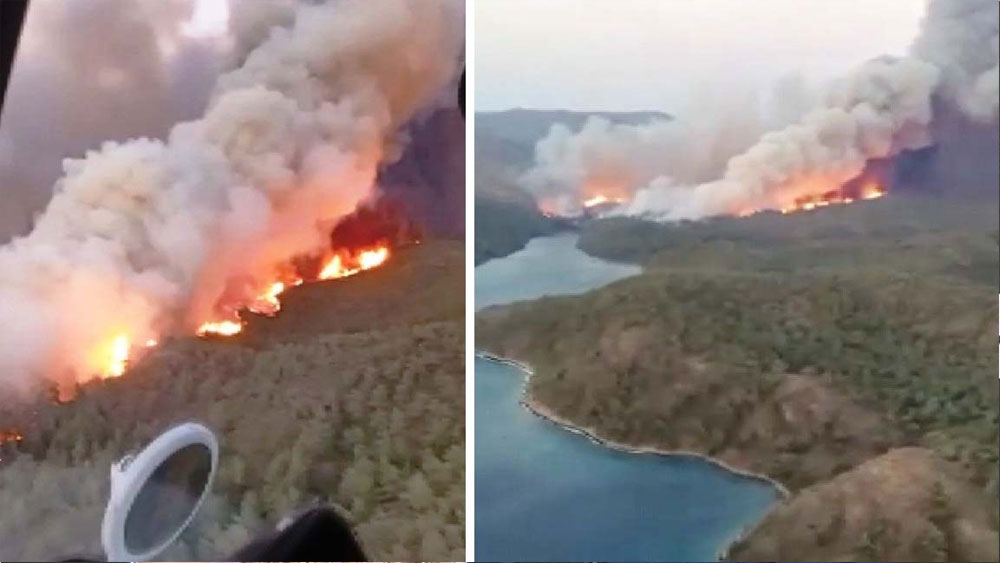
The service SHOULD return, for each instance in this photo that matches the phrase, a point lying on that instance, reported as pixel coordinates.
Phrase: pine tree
(418, 493)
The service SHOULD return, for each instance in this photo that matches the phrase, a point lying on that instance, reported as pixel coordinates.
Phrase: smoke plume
(612, 159)
(881, 109)
(141, 238)
(75, 84)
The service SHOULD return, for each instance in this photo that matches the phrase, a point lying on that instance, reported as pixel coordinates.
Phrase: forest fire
(361, 241)
(340, 264)
(220, 328)
(563, 207)
(267, 303)
(118, 356)
(869, 185)
(10, 437)
(601, 199)
(868, 191)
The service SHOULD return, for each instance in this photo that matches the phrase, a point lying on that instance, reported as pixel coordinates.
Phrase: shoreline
(546, 414)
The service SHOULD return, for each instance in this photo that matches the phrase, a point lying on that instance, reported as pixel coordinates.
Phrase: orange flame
(220, 328)
(117, 356)
(809, 203)
(267, 303)
(341, 265)
(10, 437)
(872, 191)
(600, 199)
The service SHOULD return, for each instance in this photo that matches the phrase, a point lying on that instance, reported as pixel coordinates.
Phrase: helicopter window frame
(131, 474)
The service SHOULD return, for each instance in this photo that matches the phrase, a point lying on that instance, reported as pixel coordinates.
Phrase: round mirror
(155, 494)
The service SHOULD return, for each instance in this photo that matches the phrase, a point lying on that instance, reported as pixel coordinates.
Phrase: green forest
(794, 346)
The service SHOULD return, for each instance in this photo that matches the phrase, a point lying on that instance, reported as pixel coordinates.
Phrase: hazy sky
(650, 54)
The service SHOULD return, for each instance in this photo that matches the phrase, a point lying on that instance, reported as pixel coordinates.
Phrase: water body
(546, 494)
(546, 266)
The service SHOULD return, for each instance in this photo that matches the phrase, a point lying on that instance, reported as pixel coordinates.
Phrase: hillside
(907, 234)
(353, 394)
(907, 503)
(801, 347)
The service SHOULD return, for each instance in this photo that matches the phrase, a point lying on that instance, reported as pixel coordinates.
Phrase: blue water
(546, 494)
(547, 266)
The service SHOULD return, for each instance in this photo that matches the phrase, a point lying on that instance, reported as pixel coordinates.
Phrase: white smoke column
(614, 160)
(882, 108)
(601, 159)
(141, 238)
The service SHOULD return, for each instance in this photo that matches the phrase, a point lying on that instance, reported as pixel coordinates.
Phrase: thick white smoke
(880, 109)
(613, 160)
(141, 238)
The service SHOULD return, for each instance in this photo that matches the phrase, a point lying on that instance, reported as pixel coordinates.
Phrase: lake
(546, 494)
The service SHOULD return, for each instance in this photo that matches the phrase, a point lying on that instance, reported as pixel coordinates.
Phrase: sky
(619, 55)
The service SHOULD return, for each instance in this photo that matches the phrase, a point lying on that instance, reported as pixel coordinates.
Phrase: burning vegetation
(10, 437)
(339, 264)
(597, 199)
(602, 204)
(601, 199)
(833, 197)
(360, 241)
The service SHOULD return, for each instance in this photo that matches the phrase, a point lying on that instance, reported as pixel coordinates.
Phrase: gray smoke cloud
(89, 71)
(253, 22)
(880, 109)
(142, 237)
(960, 38)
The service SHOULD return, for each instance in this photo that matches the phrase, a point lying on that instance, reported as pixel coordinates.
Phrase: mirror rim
(128, 477)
